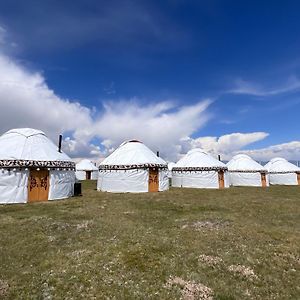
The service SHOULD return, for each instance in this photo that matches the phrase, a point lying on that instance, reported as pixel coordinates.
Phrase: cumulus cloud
(254, 89)
(225, 145)
(289, 151)
(160, 125)
(27, 101)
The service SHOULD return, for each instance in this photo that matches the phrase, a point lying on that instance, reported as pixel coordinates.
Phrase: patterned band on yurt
(32, 169)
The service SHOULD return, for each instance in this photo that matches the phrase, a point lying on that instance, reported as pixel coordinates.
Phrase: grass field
(240, 243)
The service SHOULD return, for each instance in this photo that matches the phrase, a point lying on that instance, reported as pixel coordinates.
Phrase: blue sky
(242, 55)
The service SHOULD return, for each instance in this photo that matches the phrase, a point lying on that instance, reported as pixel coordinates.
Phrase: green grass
(127, 246)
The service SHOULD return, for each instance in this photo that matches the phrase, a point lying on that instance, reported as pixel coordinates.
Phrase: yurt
(244, 171)
(198, 169)
(171, 165)
(32, 169)
(86, 170)
(133, 168)
(280, 171)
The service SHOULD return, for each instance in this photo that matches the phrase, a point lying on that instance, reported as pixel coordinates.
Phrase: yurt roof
(25, 147)
(86, 165)
(132, 154)
(244, 163)
(198, 159)
(281, 165)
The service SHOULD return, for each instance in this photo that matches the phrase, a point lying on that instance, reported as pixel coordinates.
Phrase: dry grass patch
(210, 260)
(243, 271)
(207, 224)
(191, 290)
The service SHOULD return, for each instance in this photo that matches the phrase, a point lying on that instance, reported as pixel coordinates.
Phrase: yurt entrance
(38, 185)
(263, 180)
(221, 179)
(88, 175)
(298, 178)
(153, 180)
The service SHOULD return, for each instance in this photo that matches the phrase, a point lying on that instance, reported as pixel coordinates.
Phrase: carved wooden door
(38, 185)
(153, 180)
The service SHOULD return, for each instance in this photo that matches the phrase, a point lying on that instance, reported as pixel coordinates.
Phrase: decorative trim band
(183, 169)
(285, 172)
(9, 163)
(130, 167)
(248, 171)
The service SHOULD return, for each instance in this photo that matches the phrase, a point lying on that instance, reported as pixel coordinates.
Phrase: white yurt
(198, 169)
(86, 170)
(283, 172)
(133, 168)
(171, 165)
(32, 169)
(244, 171)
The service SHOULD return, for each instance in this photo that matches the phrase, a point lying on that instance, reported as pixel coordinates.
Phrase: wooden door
(88, 175)
(298, 178)
(221, 179)
(38, 186)
(153, 180)
(263, 180)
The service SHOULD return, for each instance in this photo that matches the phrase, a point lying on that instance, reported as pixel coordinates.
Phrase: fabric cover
(244, 171)
(81, 175)
(247, 179)
(129, 181)
(132, 153)
(61, 184)
(198, 179)
(29, 144)
(13, 186)
(282, 172)
(198, 158)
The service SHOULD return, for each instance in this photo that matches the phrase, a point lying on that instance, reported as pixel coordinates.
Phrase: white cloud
(27, 101)
(249, 88)
(158, 125)
(289, 151)
(225, 145)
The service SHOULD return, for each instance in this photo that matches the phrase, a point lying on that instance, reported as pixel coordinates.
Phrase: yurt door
(221, 180)
(88, 175)
(263, 180)
(153, 180)
(298, 178)
(38, 186)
